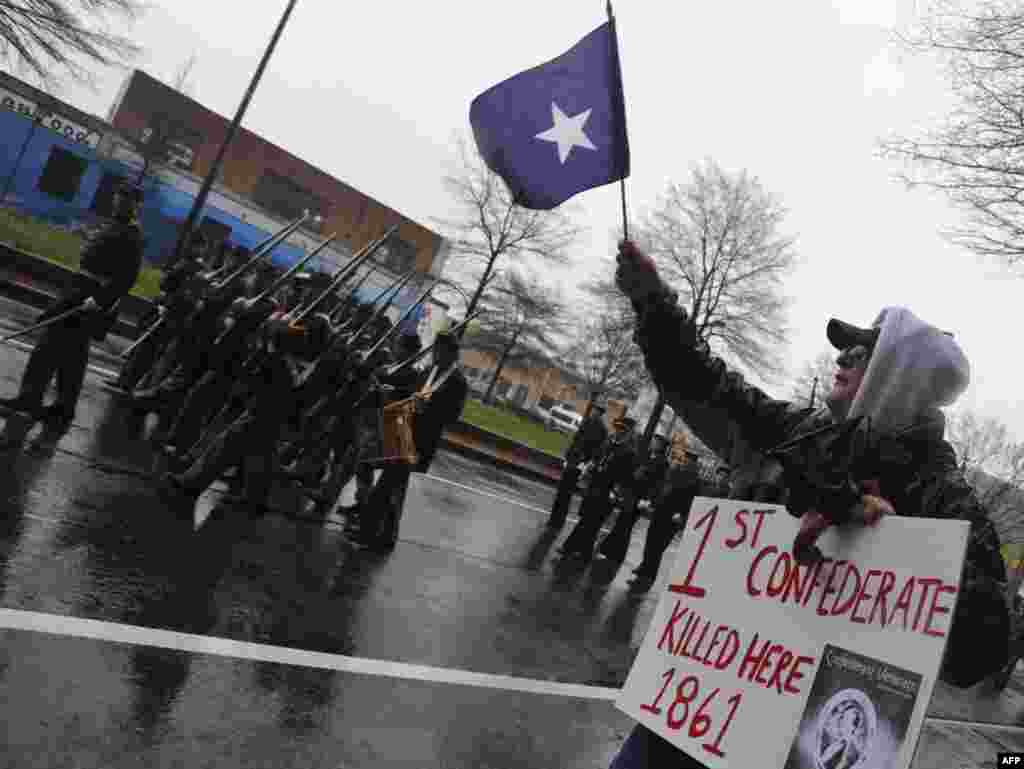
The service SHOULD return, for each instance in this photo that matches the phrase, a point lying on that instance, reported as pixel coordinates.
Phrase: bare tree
(518, 317)
(814, 382)
(490, 227)
(974, 154)
(41, 36)
(717, 239)
(994, 464)
(603, 352)
(182, 81)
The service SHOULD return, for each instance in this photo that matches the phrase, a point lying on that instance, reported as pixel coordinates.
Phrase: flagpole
(622, 116)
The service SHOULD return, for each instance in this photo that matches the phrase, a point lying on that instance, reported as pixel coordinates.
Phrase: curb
(482, 455)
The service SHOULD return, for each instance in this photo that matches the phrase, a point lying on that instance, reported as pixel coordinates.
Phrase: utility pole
(204, 191)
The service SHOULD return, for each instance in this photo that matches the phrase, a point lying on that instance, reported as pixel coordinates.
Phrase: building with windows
(151, 119)
(539, 383)
(61, 165)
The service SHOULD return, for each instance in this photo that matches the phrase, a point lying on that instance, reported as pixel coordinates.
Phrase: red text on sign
(773, 666)
(842, 591)
(741, 519)
(687, 587)
(699, 720)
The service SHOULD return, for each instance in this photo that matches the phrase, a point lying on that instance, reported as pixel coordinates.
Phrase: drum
(397, 444)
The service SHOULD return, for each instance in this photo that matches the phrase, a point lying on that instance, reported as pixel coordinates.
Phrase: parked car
(563, 419)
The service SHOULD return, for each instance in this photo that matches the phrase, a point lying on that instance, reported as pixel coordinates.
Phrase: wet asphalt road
(473, 585)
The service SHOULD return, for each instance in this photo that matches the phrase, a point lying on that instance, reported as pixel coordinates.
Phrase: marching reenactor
(395, 386)
(181, 288)
(440, 399)
(109, 267)
(613, 467)
(250, 442)
(585, 446)
(647, 482)
(682, 484)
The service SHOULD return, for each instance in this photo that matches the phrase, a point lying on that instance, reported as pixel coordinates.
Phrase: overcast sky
(795, 92)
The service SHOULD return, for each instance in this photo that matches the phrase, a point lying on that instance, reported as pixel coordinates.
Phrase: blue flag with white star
(558, 129)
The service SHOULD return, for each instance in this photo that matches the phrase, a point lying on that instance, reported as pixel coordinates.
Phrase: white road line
(77, 627)
(97, 630)
(487, 494)
(980, 725)
(92, 367)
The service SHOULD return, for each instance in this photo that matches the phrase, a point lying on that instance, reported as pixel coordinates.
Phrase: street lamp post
(204, 191)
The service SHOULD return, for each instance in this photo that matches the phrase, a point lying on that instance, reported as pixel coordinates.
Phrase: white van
(564, 419)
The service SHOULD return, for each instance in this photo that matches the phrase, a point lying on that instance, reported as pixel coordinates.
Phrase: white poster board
(752, 660)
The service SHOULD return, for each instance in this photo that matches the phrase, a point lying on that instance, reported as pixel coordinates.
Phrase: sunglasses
(854, 357)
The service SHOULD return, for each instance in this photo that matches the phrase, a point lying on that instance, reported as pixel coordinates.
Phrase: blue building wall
(164, 209)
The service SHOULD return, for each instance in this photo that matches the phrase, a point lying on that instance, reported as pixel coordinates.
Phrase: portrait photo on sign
(857, 714)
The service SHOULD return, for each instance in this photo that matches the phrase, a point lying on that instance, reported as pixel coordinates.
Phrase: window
(170, 141)
(285, 198)
(519, 393)
(62, 174)
(103, 200)
(398, 254)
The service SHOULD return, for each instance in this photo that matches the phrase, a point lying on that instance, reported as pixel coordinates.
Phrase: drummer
(441, 395)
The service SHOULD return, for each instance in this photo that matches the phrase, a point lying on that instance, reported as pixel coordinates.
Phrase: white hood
(914, 368)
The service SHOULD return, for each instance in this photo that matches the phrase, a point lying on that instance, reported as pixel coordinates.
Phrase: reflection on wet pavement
(474, 585)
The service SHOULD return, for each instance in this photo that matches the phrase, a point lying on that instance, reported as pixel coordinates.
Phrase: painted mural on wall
(61, 179)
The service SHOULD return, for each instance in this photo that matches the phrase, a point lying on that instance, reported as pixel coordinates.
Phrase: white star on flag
(567, 132)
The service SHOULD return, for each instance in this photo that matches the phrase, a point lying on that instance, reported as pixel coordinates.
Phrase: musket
(291, 271)
(249, 324)
(394, 290)
(412, 361)
(355, 289)
(256, 250)
(404, 316)
(266, 248)
(42, 324)
(262, 248)
(348, 270)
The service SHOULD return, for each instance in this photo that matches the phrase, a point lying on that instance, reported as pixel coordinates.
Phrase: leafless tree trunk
(43, 37)
(815, 379)
(717, 239)
(994, 465)
(974, 154)
(517, 322)
(182, 81)
(603, 352)
(489, 227)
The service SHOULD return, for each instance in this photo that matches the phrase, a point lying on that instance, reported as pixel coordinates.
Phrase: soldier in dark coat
(896, 375)
(180, 289)
(647, 483)
(614, 467)
(109, 267)
(682, 484)
(585, 446)
(441, 395)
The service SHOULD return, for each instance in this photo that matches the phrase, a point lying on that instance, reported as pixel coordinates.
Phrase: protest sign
(754, 660)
